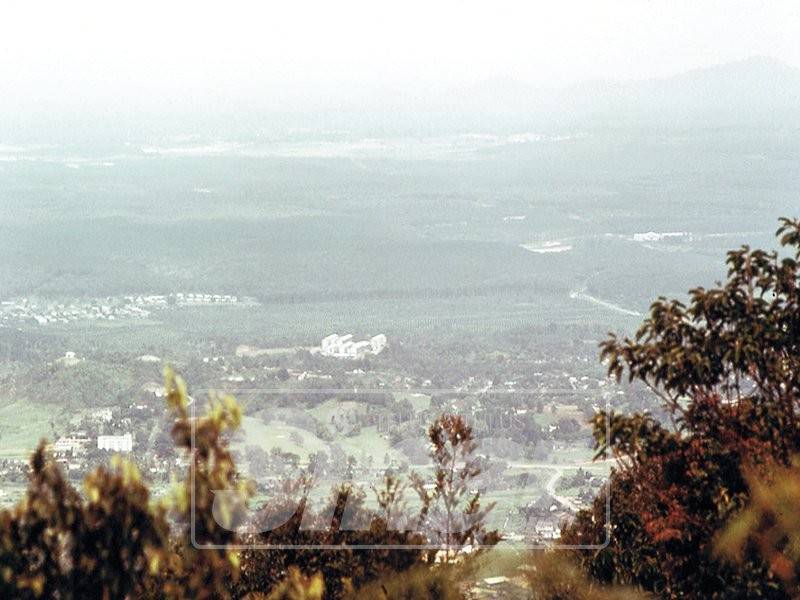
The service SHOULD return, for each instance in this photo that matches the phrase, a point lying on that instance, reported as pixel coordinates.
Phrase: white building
(69, 359)
(115, 443)
(378, 343)
(343, 346)
(328, 343)
(360, 349)
(71, 445)
(547, 531)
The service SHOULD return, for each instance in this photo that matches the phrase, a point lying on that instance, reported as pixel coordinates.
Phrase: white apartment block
(343, 346)
(115, 443)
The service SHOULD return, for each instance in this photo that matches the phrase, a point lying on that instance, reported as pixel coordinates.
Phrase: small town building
(115, 443)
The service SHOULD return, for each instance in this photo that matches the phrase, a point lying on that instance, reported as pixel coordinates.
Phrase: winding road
(551, 489)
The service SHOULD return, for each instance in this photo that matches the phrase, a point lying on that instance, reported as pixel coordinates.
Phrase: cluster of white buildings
(26, 311)
(181, 298)
(653, 236)
(78, 444)
(343, 346)
(75, 445)
(109, 308)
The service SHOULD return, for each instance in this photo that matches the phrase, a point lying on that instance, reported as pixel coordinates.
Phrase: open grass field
(367, 442)
(22, 424)
(255, 432)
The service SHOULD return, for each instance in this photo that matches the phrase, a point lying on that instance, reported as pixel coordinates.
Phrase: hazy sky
(151, 53)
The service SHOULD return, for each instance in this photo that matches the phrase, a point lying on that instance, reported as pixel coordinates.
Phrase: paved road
(551, 489)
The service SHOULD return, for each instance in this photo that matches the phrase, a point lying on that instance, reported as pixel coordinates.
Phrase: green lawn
(276, 433)
(255, 432)
(324, 411)
(369, 441)
(420, 402)
(22, 424)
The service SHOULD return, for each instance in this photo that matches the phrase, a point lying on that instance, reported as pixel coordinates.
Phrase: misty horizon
(409, 286)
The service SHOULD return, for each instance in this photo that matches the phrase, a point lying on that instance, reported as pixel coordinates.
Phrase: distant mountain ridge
(751, 82)
(757, 90)
(760, 67)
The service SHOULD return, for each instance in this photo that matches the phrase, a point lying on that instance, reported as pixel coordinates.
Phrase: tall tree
(452, 515)
(726, 368)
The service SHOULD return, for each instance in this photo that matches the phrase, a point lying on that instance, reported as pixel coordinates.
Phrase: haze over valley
(493, 249)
